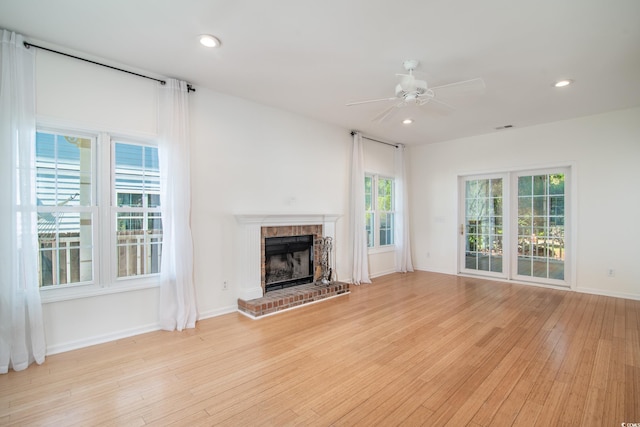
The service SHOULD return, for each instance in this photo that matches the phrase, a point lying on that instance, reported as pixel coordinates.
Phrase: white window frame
(113, 219)
(105, 279)
(377, 248)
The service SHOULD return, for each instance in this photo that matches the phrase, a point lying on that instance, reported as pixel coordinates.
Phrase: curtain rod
(353, 132)
(162, 82)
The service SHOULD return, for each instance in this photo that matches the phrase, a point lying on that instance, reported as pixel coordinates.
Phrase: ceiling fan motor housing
(415, 89)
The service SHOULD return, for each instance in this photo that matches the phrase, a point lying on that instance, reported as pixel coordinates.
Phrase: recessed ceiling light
(563, 83)
(209, 40)
(407, 121)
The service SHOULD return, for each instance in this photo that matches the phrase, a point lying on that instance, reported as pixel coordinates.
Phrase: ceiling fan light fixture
(208, 40)
(562, 83)
(407, 121)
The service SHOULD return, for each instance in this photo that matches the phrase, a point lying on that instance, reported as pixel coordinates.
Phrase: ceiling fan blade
(370, 100)
(466, 87)
(442, 104)
(386, 113)
(435, 106)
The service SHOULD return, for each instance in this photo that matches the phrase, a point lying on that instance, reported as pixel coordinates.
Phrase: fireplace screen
(288, 261)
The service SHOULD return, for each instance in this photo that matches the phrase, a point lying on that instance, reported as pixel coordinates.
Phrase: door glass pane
(541, 207)
(483, 224)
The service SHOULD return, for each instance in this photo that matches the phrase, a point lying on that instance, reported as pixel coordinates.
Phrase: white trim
(383, 273)
(593, 291)
(381, 249)
(217, 312)
(89, 291)
(285, 219)
(101, 339)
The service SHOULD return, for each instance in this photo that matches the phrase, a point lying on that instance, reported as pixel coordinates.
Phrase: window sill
(381, 249)
(89, 291)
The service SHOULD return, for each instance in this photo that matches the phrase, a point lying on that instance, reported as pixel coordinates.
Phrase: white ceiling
(312, 57)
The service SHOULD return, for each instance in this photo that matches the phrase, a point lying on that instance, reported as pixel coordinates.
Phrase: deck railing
(62, 259)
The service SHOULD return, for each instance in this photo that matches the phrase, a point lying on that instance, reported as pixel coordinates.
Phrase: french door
(514, 226)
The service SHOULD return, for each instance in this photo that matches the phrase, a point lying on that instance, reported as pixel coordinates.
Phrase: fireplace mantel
(250, 286)
(285, 219)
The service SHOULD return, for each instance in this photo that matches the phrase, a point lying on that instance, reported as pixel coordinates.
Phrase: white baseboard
(74, 345)
(382, 273)
(583, 290)
(217, 312)
(608, 294)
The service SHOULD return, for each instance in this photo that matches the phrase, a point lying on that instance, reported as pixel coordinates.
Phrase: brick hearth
(295, 296)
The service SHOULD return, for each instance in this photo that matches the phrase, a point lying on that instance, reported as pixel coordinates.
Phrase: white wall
(605, 152)
(245, 159)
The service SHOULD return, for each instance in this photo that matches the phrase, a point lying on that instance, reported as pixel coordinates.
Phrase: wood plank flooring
(409, 349)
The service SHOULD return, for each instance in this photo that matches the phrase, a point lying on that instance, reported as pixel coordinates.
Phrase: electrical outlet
(225, 285)
(611, 272)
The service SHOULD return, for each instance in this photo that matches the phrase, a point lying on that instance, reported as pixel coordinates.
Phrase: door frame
(509, 273)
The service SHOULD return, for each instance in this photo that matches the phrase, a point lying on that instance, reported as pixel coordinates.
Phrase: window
(98, 209)
(137, 206)
(379, 210)
(65, 195)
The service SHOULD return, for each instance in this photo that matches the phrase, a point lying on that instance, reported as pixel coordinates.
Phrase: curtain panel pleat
(402, 240)
(21, 326)
(360, 264)
(178, 309)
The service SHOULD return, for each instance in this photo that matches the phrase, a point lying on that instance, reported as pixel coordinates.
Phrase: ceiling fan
(411, 91)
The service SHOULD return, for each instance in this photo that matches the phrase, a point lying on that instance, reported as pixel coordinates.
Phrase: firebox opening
(288, 261)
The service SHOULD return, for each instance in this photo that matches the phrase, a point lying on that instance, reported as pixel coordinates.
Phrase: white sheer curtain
(402, 241)
(21, 327)
(177, 291)
(360, 270)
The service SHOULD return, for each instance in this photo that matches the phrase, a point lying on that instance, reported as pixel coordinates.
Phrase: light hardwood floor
(412, 349)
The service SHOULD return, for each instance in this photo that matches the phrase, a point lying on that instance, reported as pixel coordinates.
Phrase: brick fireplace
(252, 297)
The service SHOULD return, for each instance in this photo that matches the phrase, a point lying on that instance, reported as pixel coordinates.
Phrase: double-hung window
(98, 204)
(67, 208)
(379, 210)
(137, 209)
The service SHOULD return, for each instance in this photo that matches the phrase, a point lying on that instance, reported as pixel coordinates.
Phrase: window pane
(139, 243)
(66, 248)
(386, 229)
(385, 194)
(63, 170)
(368, 195)
(369, 221)
(137, 177)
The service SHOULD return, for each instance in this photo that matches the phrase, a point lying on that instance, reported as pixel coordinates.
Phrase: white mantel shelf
(286, 219)
(250, 264)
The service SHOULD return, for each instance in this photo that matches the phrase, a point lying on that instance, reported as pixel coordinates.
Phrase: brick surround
(288, 231)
